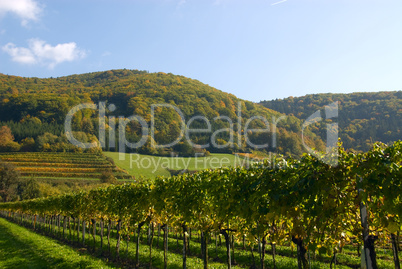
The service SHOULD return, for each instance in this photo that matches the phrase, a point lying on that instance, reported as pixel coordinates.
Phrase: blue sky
(255, 49)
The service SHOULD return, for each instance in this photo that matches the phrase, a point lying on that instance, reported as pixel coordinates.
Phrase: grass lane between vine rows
(286, 258)
(243, 257)
(22, 248)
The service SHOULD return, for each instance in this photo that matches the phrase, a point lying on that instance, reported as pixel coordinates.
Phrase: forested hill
(33, 106)
(363, 118)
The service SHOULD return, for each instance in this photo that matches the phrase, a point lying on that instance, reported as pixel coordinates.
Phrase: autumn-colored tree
(5, 135)
(7, 140)
(9, 181)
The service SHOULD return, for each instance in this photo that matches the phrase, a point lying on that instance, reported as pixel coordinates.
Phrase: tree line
(364, 117)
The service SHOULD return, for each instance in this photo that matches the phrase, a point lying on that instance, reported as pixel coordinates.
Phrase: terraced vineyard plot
(50, 165)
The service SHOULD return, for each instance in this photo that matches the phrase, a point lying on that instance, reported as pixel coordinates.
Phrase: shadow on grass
(24, 253)
(285, 255)
(126, 258)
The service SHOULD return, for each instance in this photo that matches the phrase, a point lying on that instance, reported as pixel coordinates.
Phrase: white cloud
(27, 10)
(20, 55)
(39, 52)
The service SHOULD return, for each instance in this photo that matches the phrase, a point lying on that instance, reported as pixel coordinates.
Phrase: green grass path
(22, 248)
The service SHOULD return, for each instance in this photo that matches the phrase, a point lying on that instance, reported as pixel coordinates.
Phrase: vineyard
(50, 165)
(321, 211)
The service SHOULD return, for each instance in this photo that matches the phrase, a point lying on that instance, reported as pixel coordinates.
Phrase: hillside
(33, 106)
(363, 117)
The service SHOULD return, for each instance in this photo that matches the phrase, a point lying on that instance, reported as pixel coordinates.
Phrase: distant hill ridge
(32, 106)
(363, 117)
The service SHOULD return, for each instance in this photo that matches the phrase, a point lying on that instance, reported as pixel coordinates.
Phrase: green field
(22, 248)
(148, 166)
